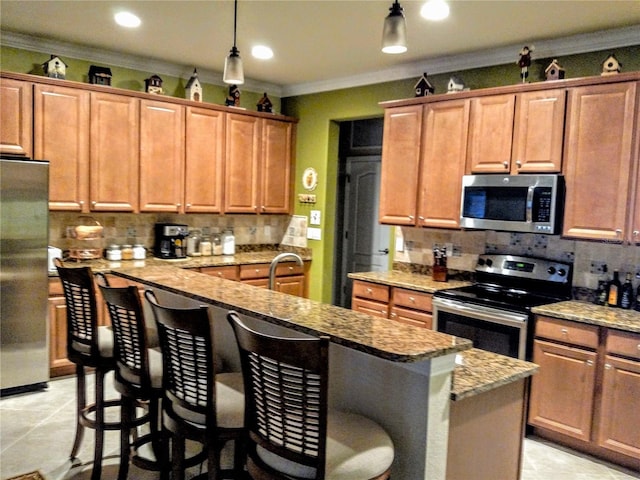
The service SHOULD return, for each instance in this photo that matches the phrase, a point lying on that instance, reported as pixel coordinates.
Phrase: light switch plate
(314, 217)
(314, 233)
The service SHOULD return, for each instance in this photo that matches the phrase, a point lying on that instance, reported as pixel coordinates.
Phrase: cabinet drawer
(372, 291)
(289, 268)
(372, 308)
(412, 317)
(55, 287)
(259, 270)
(623, 343)
(567, 331)
(229, 272)
(412, 299)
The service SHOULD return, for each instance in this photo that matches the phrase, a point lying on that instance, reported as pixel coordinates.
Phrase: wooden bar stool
(197, 404)
(138, 378)
(292, 434)
(88, 346)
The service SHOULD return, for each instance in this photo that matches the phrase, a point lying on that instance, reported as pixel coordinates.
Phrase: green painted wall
(319, 114)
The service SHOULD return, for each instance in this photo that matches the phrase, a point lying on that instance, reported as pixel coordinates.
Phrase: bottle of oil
(613, 300)
(626, 292)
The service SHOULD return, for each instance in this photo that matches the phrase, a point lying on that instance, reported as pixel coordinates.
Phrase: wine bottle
(613, 299)
(626, 293)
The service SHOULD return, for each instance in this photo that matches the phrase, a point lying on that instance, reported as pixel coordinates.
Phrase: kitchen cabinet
(61, 136)
(16, 128)
(276, 162)
(598, 161)
(289, 277)
(114, 153)
(517, 133)
(370, 298)
(586, 392)
(228, 272)
(204, 157)
(162, 128)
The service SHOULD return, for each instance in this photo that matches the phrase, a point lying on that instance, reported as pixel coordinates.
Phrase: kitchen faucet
(281, 257)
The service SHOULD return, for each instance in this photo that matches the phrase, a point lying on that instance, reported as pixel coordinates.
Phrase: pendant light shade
(394, 33)
(233, 71)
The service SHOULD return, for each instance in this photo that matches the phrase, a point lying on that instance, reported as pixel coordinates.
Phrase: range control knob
(562, 272)
(481, 261)
(489, 262)
(551, 270)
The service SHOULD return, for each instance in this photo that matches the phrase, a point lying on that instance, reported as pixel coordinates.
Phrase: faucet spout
(281, 257)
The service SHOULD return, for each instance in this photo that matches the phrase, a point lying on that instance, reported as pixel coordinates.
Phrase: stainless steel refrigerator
(24, 230)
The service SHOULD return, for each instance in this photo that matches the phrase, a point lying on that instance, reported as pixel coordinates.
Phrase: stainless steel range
(495, 312)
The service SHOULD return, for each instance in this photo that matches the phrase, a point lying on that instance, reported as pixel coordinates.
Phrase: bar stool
(88, 346)
(292, 434)
(138, 378)
(197, 403)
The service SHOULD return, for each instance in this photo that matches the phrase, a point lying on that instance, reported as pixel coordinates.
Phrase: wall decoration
(264, 104)
(310, 179)
(233, 99)
(193, 89)
(554, 71)
(423, 87)
(153, 84)
(100, 75)
(55, 67)
(456, 84)
(525, 62)
(611, 65)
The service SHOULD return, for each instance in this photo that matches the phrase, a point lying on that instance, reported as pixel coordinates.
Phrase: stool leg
(177, 457)
(126, 418)
(97, 454)
(81, 402)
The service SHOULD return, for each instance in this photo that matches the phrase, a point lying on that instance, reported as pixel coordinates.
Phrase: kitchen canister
(228, 243)
(114, 253)
(139, 252)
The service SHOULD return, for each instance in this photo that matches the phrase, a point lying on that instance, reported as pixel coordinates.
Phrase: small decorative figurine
(524, 62)
(264, 104)
(611, 65)
(456, 84)
(54, 67)
(153, 84)
(99, 75)
(423, 87)
(554, 71)
(193, 89)
(233, 99)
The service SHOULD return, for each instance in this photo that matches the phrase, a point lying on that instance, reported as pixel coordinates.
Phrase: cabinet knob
(178, 205)
(412, 299)
(394, 315)
(94, 203)
(369, 291)
(636, 233)
(506, 164)
(564, 331)
(81, 202)
(188, 205)
(618, 231)
(411, 217)
(590, 363)
(518, 163)
(263, 208)
(608, 366)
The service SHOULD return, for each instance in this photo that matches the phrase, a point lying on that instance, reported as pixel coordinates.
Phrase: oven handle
(480, 312)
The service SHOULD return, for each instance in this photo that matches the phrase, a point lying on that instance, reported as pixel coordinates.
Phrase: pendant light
(394, 34)
(233, 72)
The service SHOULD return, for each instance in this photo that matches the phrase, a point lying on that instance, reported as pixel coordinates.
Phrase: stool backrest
(129, 335)
(82, 312)
(286, 384)
(187, 360)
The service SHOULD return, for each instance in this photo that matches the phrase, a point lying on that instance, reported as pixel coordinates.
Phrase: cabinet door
(204, 160)
(61, 136)
(598, 160)
(634, 229)
(444, 138)
(16, 128)
(376, 309)
(400, 165)
(619, 420)
(538, 132)
(292, 285)
(115, 151)
(416, 318)
(161, 156)
(490, 134)
(242, 161)
(276, 167)
(228, 272)
(562, 392)
(58, 362)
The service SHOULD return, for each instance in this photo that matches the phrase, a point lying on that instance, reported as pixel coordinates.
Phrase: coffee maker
(170, 240)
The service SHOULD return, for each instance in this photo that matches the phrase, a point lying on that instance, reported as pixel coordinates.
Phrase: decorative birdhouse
(611, 65)
(193, 89)
(233, 99)
(554, 71)
(423, 87)
(264, 104)
(153, 84)
(456, 84)
(55, 67)
(99, 75)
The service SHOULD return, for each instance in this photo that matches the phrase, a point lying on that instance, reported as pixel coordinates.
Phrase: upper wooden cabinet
(598, 161)
(162, 128)
(61, 136)
(204, 158)
(114, 152)
(16, 128)
(517, 133)
(275, 180)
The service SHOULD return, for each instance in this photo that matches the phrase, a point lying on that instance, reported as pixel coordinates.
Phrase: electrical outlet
(598, 267)
(457, 251)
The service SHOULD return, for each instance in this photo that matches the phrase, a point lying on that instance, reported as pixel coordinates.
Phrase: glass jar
(228, 243)
(193, 243)
(127, 252)
(217, 244)
(114, 254)
(139, 252)
(205, 246)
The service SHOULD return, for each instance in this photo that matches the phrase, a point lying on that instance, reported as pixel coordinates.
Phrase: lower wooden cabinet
(228, 272)
(586, 392)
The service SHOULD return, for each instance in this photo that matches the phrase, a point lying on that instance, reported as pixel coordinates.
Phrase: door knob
(385, 251)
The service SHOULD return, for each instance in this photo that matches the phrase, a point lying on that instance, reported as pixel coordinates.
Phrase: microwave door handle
(529, 213)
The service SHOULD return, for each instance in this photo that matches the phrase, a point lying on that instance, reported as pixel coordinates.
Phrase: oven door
(496, 330)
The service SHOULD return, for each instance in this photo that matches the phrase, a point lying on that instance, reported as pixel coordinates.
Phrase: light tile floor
(37, 429)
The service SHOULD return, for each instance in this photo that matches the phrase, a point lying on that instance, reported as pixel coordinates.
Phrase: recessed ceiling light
(435, 10)
(262, 52)
(127, 19)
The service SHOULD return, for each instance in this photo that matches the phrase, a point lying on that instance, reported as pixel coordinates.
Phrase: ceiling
(316, 42)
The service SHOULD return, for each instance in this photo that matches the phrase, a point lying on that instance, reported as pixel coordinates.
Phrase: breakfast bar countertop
(362, 332)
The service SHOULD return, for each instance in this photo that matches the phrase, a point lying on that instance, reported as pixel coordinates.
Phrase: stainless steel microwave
(512, 203)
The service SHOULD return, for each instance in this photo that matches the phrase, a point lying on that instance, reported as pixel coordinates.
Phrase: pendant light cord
(235, 20)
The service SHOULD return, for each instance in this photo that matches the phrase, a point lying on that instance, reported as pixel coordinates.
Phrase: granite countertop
(585, 312)
(413, 281)
(479, 371)
(377, 336)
